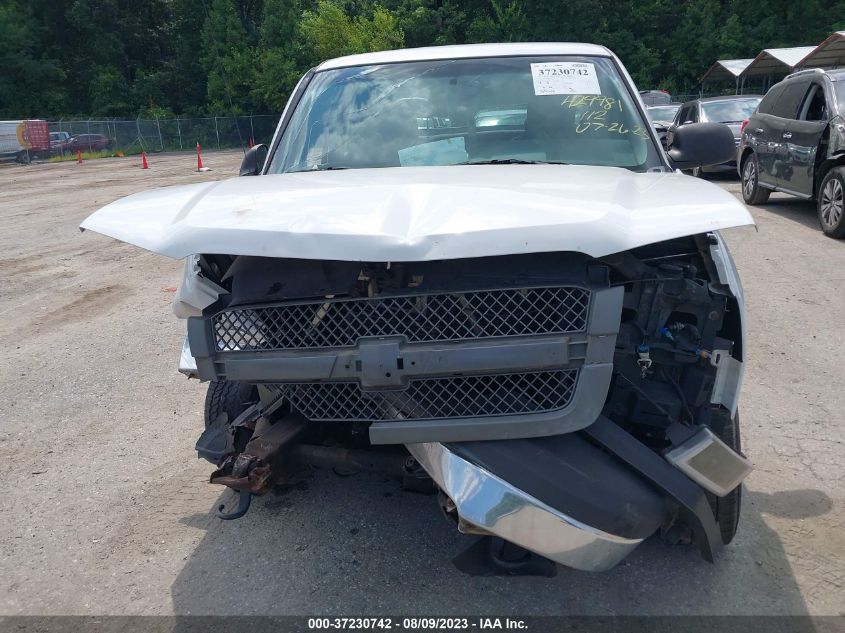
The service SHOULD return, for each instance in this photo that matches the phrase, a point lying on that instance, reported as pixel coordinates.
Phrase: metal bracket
(728, 379)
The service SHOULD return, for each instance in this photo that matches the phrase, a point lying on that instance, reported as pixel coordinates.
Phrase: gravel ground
(107, 511)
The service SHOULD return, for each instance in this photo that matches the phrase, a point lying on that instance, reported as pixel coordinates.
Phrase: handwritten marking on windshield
(591, 101)
(614, 127)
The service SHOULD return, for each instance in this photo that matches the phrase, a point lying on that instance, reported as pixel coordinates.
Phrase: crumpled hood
(421, 213)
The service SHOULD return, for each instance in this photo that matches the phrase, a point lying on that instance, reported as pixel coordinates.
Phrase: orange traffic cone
(144, 164)
(249, 143)
(79, 157)
(199, 160)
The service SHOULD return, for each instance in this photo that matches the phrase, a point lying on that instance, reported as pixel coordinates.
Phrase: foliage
(502, 24)
(280, 55)
(27, 74)
(227, 58)
(119, 58)
(331, 32)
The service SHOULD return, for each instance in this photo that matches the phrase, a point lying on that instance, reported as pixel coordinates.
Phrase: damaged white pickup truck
(475, 266)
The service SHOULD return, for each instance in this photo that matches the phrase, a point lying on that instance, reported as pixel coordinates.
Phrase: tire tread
(837, 232)
(727, 509)
(760, 195)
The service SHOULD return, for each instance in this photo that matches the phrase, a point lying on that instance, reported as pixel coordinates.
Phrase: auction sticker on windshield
(565, 78)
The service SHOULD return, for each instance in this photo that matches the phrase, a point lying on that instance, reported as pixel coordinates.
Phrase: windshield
(733, 111)
(663, 113)
(556, 109)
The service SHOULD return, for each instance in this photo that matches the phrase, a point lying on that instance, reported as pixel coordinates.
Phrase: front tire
(831, 203)
(752, 192)
(726, 509)
(231, 398)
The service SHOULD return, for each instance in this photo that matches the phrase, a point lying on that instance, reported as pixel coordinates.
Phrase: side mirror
(701, 144)
(253, 160)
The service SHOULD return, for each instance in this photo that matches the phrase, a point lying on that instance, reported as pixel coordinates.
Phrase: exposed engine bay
(501, 382)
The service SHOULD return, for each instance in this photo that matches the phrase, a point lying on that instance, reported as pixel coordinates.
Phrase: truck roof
(467, 51)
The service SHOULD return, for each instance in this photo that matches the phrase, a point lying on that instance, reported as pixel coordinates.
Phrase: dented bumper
(486, 503)
(584, 500)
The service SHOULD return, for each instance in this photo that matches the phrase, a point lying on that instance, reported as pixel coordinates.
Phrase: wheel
(24, 158)
(231, 398)
(726, 509)
(831, 203)
(752, 192)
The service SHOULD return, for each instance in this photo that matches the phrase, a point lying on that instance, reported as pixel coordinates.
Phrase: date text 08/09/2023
(416, 624)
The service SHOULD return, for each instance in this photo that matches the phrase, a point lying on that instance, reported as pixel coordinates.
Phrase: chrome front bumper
(493, 505)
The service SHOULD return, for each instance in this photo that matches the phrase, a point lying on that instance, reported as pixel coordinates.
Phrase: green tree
(280, 60)
(176, 77)
(330, 32)
(502, 24)
(731, 40)
(66, 57)
(30, 85)
(430, 22)
(228, 59)
(698, 29)
(110, 92)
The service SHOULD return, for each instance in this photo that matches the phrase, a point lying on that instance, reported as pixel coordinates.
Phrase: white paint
(422, 213)
(466, 51)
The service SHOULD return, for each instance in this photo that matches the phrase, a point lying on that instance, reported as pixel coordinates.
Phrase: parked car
(89, 143)
(412, 270)
(59, 142)
(661, 118)
(655, 97)
(731, 110)
(795, 143)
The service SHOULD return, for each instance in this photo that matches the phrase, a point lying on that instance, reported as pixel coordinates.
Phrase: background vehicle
(89, 143)
(731, 110)
(59, 142)
(661, 117)
(795, 143)
(23, 141)
(655, 97)
(454, 245)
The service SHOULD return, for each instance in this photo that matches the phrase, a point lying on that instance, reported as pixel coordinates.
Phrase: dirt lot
(106, 508)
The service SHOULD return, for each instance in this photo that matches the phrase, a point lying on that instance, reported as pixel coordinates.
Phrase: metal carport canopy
(770, 61)
(725, 70)
(828, 54)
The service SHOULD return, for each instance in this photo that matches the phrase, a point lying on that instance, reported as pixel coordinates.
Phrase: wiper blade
(316, 168)
(514, 161)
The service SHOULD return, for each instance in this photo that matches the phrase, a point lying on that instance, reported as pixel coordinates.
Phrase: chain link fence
(131, 136)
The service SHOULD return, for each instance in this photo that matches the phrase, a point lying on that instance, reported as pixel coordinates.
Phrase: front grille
(419, 318)
(434, 398)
